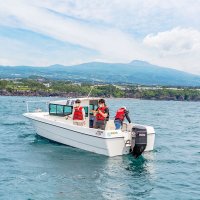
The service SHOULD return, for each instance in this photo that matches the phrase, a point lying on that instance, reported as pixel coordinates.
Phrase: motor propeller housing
(140, 136)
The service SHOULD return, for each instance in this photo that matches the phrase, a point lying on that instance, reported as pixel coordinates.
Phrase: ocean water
(35, 168)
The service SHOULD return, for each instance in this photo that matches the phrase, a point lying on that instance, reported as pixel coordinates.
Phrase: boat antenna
(90, 91)
(92, 87)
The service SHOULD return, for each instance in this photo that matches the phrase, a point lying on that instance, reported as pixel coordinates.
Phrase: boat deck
(45, 115)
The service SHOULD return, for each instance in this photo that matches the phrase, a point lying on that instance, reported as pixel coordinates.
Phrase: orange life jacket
(98, 115)
(120, 114)
(78, 113)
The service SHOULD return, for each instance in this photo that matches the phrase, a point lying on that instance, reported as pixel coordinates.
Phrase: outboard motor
(140, 135)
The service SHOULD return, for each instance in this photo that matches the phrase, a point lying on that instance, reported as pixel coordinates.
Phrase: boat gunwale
(77, 131)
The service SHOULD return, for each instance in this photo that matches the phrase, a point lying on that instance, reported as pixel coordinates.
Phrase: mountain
(136, 72)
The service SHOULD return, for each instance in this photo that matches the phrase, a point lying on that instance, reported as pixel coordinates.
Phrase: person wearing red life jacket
(121, 114)
(78, 115)
(101, 115)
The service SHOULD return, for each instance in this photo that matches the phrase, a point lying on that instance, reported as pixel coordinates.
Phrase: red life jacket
(78, 113)
(120, 114)
(98, 115)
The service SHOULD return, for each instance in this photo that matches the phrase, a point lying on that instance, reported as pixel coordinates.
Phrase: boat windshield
(63, 110)
(60, 110)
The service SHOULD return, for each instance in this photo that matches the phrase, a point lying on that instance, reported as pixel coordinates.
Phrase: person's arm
(127, 117)
(83, 111)
(95, 112)
(71, 115)
(104, 114)
(107, 111)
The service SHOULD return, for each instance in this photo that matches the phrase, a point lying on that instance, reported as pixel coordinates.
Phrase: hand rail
(27, 103)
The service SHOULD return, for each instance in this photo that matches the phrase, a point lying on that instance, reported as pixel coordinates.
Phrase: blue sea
(32, 167)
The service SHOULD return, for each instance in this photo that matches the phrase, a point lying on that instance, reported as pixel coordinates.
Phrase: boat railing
(38, 109)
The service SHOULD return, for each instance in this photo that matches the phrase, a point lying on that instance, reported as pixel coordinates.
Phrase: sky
(68, 32)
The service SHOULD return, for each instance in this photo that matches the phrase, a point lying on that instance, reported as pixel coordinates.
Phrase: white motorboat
(53, 125)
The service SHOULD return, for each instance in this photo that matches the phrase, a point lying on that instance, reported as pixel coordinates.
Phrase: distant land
(135, 72)
(43, 87)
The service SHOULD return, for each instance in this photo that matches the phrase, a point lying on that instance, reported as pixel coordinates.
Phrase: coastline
(66, 89)
(75, 94)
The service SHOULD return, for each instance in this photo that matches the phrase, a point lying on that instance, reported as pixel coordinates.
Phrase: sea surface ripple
(32, 167)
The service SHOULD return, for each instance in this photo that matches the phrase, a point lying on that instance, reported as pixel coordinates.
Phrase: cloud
(112, 31)
(31, 49)
(110, 42)
(5, 61)
(175, 41)
(138, 17)
(179, 47)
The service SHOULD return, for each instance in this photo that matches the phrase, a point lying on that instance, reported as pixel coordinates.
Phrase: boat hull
(105, 146)
(106, 142)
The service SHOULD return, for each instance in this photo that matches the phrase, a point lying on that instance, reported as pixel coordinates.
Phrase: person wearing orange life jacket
(121, 114)
(101, 115)
(78, 114)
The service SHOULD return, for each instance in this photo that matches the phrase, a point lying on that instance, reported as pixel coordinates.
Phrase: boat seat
(110, 125)
(126, 127)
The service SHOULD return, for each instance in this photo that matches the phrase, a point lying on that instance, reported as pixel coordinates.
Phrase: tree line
(67, 88)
